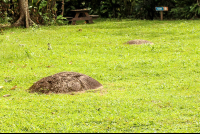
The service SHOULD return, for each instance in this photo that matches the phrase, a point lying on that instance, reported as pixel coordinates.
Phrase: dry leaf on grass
(13, 88)
(7, 95)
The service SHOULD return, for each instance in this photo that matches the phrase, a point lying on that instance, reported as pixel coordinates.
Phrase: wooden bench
(65, 18)
(94, 16)
(68, 18)
(81, 14)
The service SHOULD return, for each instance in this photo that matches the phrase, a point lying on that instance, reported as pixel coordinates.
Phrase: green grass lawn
(146, 88)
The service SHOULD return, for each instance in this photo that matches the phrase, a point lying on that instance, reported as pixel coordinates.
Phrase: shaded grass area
(147, 88)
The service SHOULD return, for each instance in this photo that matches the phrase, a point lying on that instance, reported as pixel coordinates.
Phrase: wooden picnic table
(81, 14)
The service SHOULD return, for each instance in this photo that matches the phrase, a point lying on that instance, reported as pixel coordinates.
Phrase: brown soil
(138, 42)
(64, 82)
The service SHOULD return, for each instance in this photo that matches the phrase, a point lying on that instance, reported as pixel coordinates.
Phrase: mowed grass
(146, 88)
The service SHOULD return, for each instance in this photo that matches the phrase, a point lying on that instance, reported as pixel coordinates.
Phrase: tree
(24, 19)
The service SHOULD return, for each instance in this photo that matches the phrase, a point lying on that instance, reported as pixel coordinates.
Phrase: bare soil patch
(138, 42)
(64, 82)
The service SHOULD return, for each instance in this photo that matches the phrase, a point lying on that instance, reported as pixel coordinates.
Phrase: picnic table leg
(76, 16)
(88, 21)
(91, 21)
(73, 22)
(69, 22)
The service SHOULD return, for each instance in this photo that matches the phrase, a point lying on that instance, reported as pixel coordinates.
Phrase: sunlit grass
(147, 88)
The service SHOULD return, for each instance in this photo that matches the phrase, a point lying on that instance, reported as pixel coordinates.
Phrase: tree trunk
(63, 7)
(24, 19)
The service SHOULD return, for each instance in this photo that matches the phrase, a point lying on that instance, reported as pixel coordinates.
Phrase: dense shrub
(47, 11)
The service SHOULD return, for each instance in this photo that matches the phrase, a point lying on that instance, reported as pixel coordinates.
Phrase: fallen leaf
(7, 80)
(21, 45)
(98, 109)
(7, 95)
(13, 88)
(24, 66)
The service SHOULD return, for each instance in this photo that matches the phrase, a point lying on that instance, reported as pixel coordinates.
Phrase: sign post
(161, 9)
(161, 15)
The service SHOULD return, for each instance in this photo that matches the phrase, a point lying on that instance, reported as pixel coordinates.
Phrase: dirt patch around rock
(138, 42)
(64, 82)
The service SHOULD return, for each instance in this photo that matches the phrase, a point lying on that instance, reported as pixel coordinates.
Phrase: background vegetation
(48, 11)
(147, 88)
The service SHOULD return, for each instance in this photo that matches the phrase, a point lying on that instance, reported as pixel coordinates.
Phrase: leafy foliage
(46, 11)
(186, 9)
